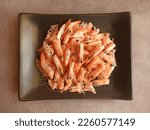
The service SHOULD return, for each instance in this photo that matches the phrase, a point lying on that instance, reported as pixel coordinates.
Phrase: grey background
(9, 10)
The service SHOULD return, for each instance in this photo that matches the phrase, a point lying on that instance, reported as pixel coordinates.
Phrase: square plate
(32, 31)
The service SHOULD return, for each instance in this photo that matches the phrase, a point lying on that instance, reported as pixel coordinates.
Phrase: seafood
(58, 64)
(68, 84)
(52, 84)
(61, 83)
(51, 35)
(61, 31)
(46, 68)
(49, 51)
(67, 56)
(96, 72)
(77, 88)
(76, 57)
(100, 82)
(106, 72)
(57, 75)
(71, 74)
(57, 48)
(89, 87)
(81, 52)
(69, 31)
(94, 63)
(81, 74)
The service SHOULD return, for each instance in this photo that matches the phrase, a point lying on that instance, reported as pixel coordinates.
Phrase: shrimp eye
(52, 53)
(49, 31)
(68, 31)
(89, 57)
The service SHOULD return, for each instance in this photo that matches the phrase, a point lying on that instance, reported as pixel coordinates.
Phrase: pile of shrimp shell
(76, 57)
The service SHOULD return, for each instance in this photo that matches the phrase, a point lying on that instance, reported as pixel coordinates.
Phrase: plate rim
(20, 14)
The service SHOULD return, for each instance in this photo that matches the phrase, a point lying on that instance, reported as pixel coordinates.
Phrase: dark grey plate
(32, 31)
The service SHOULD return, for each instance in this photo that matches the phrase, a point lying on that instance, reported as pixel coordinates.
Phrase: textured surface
(9, 55)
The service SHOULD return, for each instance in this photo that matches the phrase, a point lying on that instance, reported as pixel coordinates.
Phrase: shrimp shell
(68, 84)
(108, 59)
(89, 26)
(61, 31)
(94, 63)
(58, 64)
(49, 51)
(48, 70)
(81, 74)
(71, 74)
(57, 48)
(77, 88)
(106, 72)
(101, 82)
(77, 67)
(89, 87)
(53, 85)
(110, 47)
(96, 72)
(95, 53)
(40, 68)
(81, 52)
(61, 83)
(79, 33)
(67, 37)
(67, 56)
(57, 76)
